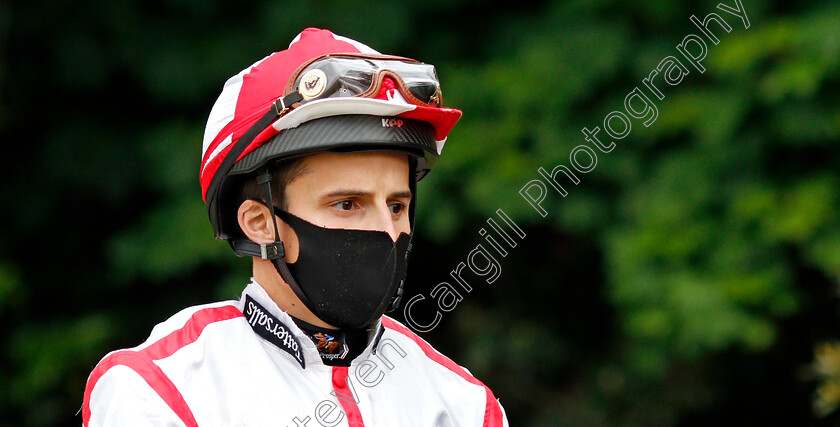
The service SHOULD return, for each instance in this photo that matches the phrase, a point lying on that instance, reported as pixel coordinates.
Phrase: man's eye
(397, 208)
(344, 205)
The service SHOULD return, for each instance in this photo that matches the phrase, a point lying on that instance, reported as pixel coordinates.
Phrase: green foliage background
(685, 281)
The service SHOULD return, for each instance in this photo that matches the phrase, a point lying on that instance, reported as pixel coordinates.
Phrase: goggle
(345, 75)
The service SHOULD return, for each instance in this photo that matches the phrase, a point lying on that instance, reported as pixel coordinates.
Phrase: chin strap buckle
(272, 250)
(265, 251)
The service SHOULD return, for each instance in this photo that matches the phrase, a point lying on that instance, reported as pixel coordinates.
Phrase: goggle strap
(278, 108)
(284, 104)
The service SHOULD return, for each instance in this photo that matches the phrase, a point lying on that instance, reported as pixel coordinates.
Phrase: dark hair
(282, 173)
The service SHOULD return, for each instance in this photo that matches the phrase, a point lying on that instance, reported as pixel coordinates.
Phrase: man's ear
(255, 220)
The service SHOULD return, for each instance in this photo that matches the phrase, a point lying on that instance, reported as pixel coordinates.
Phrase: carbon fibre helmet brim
(347, 133)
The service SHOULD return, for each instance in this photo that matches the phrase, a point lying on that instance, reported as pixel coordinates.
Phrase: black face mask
(348, 278)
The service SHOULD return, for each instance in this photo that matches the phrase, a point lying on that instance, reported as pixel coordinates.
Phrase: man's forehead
(355, 170)
(336, 162)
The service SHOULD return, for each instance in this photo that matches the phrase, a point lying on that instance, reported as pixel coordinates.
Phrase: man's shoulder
(404, 340)
(181, 329)
(398, 342)
(134, 373)
(192, 321)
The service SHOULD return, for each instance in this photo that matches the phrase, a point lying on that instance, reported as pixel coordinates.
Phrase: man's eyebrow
(349, 192)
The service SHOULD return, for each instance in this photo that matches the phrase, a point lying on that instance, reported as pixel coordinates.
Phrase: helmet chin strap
(275, 251)
(264, 181)
(412, 187)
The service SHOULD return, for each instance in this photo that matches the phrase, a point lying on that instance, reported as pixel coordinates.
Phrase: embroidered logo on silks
(328, 347)
(272, 329)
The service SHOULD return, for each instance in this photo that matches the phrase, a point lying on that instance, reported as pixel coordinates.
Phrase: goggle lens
(338, 76)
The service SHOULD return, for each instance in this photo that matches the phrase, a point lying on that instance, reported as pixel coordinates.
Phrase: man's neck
(337, 347)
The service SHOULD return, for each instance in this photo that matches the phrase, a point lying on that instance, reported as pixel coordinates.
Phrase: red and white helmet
(325, 92)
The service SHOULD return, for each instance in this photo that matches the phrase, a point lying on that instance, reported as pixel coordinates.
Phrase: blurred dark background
(690, 279)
